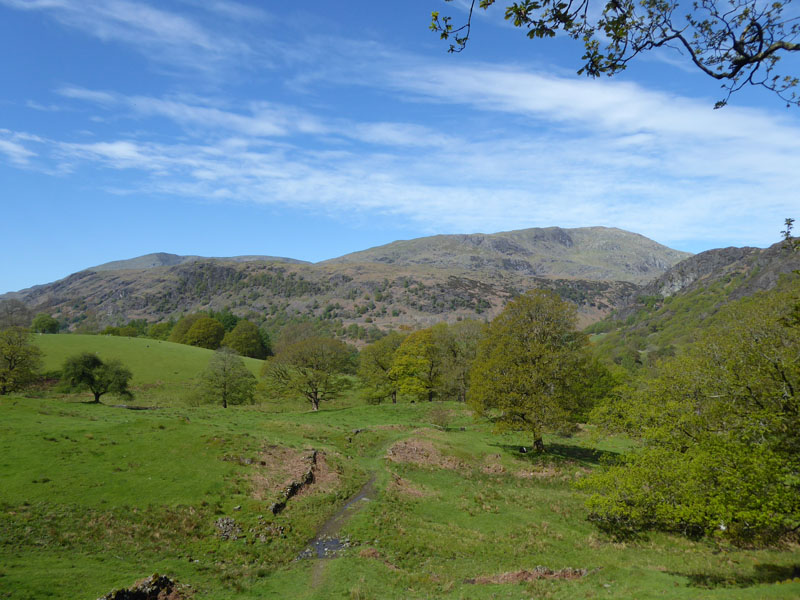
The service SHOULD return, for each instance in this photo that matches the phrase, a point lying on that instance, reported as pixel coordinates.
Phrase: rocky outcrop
(155, 587)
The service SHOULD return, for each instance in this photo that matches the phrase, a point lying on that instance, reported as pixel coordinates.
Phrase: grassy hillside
(98, 497)
(162, 371)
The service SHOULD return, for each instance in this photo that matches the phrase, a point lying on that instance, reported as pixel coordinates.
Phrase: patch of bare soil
(277, 467)
(373, 553)
(403, 487)
(422, 452)
(533, 575)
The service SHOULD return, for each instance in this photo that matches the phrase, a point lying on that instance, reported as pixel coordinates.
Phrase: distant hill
(412, 283)
(665, 314)
(163, 259)
(592, 253)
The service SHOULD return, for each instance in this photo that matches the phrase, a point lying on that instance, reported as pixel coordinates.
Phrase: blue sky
(310, 130)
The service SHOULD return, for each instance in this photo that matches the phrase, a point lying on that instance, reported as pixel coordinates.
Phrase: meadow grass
(95, 497)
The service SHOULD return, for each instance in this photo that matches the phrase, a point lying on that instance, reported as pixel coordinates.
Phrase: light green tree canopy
(20, 358)
(313, 368)
(527, 367)
(720, 426)
(737, 42)
(205, 332)
(89, 371)
(226, 379)
(416, 366)
(246, 340)
(375, 364)
(44, 323)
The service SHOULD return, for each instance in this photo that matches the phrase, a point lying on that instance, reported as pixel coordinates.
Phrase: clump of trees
(720, 432)
(88, 371)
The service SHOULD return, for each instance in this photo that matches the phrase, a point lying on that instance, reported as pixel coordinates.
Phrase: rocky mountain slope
(592, 253)
(411, 283)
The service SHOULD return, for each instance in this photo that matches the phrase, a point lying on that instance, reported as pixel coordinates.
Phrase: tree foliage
(227, 379)
(20, 359)
(89, 371)
(457, 346)
(44, 323)
(375, 367)
(737, 42)
(528, 366)
(416, 366)
(720, 426)
(246, 340)
(313, 368)
(205, 332)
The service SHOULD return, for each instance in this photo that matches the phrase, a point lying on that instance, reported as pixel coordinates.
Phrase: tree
(44, 323)
(527, 366)
(160, 331)
(89, 371)
(314, 368)
(457, 346)
(14, 313)
(375, 364)
(737, 42)
(246, 340)
(205, 333)
(19, 359)
(227, 378)
(720, 432)
(416, 365)
(181, 328)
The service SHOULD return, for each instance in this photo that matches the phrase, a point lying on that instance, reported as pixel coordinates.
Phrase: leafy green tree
(375, 367)
(205, 332)
(314, 368)
(227, 379)
(160, 331)
(737, 42)
(20, 359)
(89, 371)
(246, 340)
(44, 323)
(527, 366)
(226, 317)
(457, 346)
(182, 327)
(416, 365)
(720, 426)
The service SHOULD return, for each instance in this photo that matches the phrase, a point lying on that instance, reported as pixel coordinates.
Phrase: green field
(96, 497)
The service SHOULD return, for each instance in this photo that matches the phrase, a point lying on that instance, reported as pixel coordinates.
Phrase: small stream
(327, 543)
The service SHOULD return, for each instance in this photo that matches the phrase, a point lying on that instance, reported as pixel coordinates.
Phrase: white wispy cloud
(162, 35)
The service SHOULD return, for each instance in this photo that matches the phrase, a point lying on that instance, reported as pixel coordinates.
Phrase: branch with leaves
(738, 42)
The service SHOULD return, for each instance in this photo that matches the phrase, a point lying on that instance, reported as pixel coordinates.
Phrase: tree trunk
(394, 396)
(224, 402)
(538, 444)
(314, 403)
(97, 397)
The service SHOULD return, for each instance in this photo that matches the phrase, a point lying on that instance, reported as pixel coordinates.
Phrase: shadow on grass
(761, 574)
(555, 452)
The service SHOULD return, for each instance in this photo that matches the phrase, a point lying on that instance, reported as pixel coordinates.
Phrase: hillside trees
(89, 371)
(313, 368)
(375, 367)
(20, 358)
(737, 42)
(528, 366)
(14, 313)
(720, 426)
(246, 340)
(44, 323)
(416, 365)
(205, 332)
(227, 379)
